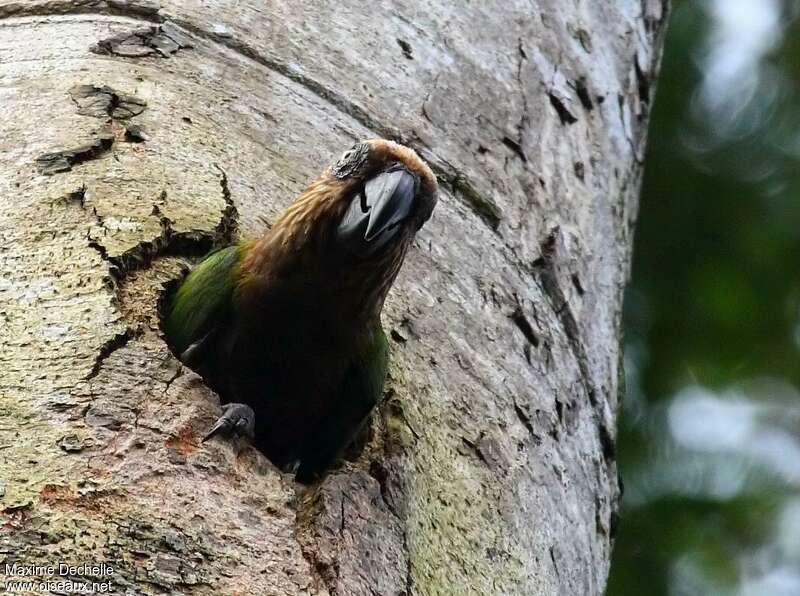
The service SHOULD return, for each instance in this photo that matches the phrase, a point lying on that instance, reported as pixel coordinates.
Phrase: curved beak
(373, 217)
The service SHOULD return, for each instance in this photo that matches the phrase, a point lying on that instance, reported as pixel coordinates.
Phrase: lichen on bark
(139, 134)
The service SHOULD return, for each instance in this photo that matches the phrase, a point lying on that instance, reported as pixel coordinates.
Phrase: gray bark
(135, 135)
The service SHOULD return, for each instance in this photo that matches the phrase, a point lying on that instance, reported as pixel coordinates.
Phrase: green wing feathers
(359, 392)
(365, 382)
(205, 298)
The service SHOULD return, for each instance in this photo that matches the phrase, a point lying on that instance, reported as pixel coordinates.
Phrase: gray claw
(237, 420)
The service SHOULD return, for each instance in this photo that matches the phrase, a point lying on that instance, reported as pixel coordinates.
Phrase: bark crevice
(503, 322)
(484, 207)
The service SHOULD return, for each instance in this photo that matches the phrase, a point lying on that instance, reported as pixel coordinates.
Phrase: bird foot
(237, 420)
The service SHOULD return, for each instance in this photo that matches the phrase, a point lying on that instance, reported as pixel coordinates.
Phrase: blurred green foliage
(710, 428)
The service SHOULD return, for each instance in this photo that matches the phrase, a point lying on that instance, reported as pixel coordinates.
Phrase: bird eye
(351, 161)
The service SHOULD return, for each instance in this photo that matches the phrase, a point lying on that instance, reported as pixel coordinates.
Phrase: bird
(287, 328)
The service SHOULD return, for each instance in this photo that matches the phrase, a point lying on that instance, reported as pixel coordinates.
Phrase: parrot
(287, 328)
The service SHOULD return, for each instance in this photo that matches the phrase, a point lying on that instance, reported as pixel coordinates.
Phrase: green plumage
(287, 328)
(310, 385)
(204, 299)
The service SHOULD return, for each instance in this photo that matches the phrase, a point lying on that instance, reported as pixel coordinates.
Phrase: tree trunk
(135, 135)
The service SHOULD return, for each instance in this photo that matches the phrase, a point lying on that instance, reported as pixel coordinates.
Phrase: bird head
(387, 194)
(351, 228)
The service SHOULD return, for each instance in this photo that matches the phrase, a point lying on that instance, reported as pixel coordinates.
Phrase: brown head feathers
(308, 226)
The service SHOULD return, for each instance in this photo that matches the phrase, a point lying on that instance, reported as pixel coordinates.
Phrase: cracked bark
(139, 134)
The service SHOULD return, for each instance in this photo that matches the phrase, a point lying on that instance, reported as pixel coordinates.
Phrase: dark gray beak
(373, 218)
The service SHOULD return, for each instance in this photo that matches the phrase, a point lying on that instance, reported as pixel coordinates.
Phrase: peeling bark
(137, 135)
